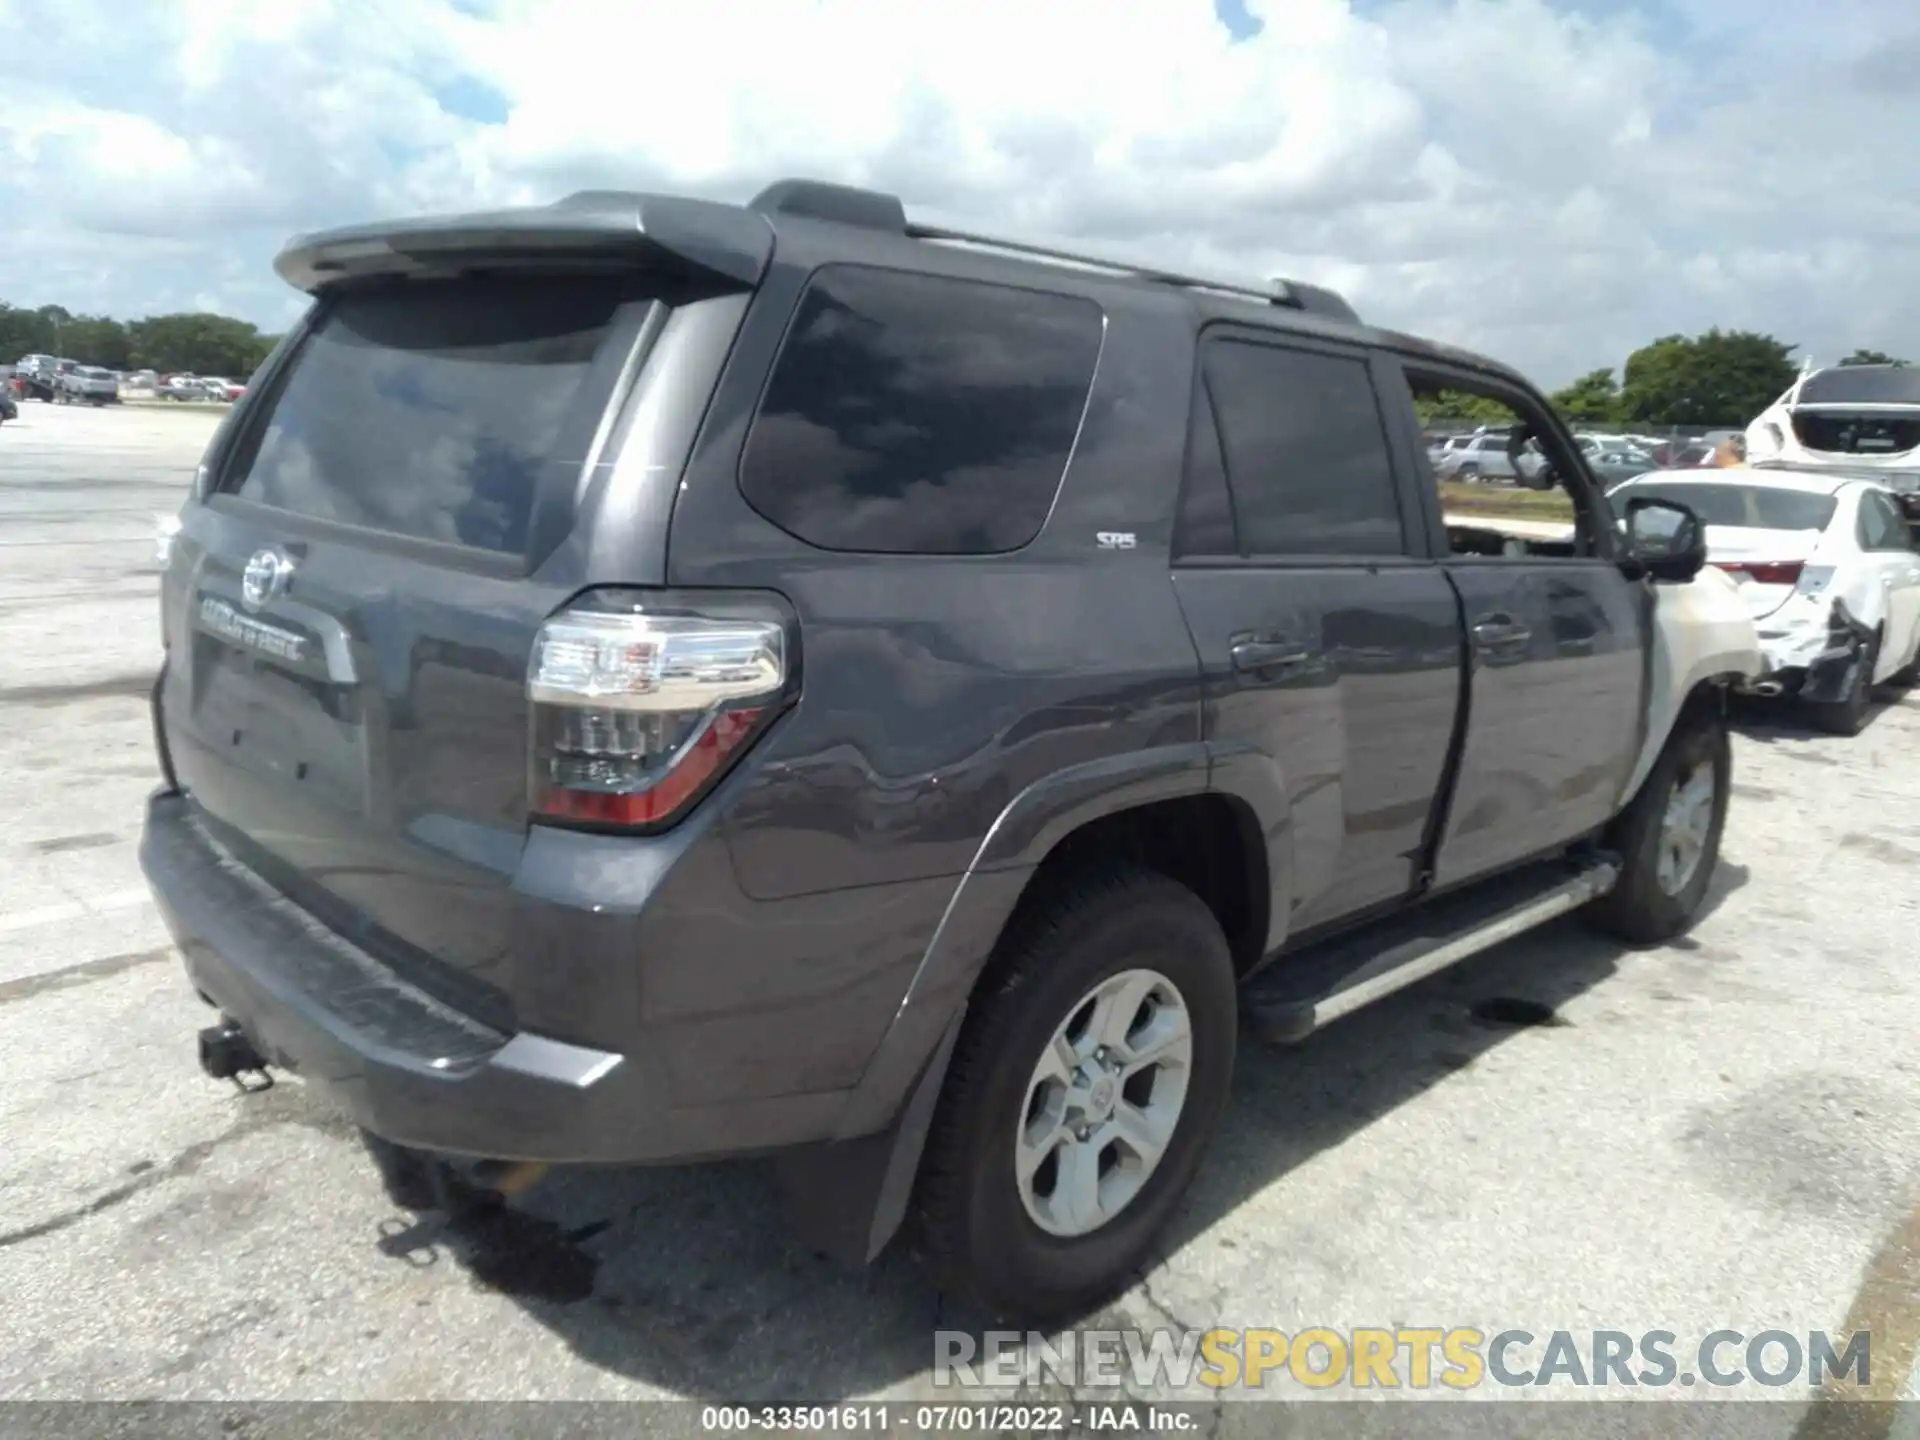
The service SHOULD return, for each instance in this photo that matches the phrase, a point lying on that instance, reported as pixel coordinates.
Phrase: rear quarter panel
(937, 689)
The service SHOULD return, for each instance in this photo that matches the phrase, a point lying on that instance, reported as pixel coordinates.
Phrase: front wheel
(1093, 1067)
(1668, 838)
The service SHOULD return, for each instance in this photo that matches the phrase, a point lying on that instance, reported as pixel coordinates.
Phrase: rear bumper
(405, 1065)
(1810, 647)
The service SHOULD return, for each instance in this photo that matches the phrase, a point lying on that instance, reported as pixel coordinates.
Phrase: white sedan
(1830, 570)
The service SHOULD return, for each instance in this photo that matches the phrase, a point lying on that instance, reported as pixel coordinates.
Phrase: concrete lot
(1725, 1132)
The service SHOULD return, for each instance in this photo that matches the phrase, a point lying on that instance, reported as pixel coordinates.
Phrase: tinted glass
(1753, 507)
(1306, 452)
(430, 412)
(1205, 523)
(911, 413)
(1862, 385)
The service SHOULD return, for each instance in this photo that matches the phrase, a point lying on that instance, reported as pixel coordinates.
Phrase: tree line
(1719, 378)
(196, 343)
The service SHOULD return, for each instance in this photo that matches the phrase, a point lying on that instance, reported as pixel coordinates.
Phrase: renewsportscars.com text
(1401, 1357)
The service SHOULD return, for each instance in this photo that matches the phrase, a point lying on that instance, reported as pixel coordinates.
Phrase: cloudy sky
(1553, 181)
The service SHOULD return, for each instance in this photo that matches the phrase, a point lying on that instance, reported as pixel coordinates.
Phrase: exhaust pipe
(508, 1177)
(1768, 688)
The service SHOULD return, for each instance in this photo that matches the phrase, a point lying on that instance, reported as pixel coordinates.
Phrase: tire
(1468, 473)
(1848, 715)
(978, 1232)
(1640, 908)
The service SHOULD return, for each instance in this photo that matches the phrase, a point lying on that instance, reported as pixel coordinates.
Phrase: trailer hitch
(227, 1054)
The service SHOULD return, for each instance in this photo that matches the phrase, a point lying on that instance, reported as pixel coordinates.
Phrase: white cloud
(1552, 186)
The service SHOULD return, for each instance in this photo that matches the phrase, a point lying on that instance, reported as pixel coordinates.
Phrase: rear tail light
(640, 703)
(1765, 572)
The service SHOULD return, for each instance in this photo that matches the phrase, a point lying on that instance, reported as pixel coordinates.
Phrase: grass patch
(189, 407)
(1459, 498)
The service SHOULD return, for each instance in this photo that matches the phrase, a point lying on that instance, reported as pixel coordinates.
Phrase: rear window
(1751, 507)
(430, 412)
(1862, 385)
(917, 414)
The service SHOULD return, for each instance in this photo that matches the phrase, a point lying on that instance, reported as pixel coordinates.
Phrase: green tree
(1458, 406)
(21, 333)
(1871, 357)
(1719, 378)
(95, 340)
(1593, 399)
(32, 332)
(200, 343)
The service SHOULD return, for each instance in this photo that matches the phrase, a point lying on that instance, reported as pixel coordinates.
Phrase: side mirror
(1665, 540)
(1531, 467)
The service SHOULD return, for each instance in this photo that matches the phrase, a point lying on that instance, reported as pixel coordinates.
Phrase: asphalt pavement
(1720, 1133)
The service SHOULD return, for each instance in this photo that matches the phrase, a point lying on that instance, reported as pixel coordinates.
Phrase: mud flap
(847, 1199)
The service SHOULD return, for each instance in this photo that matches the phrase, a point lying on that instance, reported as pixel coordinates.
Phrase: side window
(1305, 450)
(916, 414)
(1881, 527)
(1531, 505)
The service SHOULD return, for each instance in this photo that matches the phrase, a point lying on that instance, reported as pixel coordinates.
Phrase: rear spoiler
(592, 227)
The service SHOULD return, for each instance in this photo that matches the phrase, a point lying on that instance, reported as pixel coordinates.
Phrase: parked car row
(198, 387)
(1483, 455)
(60, 381)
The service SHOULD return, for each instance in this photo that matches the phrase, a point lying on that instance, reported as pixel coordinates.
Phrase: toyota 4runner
(652, 680)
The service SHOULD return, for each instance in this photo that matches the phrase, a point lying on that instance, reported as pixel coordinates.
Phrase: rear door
(1330, 644)
(1889, 549)
(349, 614)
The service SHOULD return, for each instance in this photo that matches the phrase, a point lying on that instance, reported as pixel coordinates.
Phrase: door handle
(1268, 654)
(1501, 631)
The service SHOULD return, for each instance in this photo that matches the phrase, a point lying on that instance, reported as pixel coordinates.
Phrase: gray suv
(652, 680)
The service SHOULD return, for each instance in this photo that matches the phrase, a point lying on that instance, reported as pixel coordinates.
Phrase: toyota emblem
(265, 577)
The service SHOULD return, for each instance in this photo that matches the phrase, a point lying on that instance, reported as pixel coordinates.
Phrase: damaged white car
(1828, 564)
(1848, 416)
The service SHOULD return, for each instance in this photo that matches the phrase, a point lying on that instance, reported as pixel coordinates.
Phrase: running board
(1297, 994)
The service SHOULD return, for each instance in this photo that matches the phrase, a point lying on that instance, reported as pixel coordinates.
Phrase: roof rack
(875, 210)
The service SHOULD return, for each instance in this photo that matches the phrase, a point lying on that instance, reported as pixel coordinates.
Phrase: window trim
(1199, 404)
(1602, 542)
(1413, 549)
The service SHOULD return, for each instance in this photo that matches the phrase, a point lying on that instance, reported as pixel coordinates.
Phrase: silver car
(1478, 457)
(87, 385)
